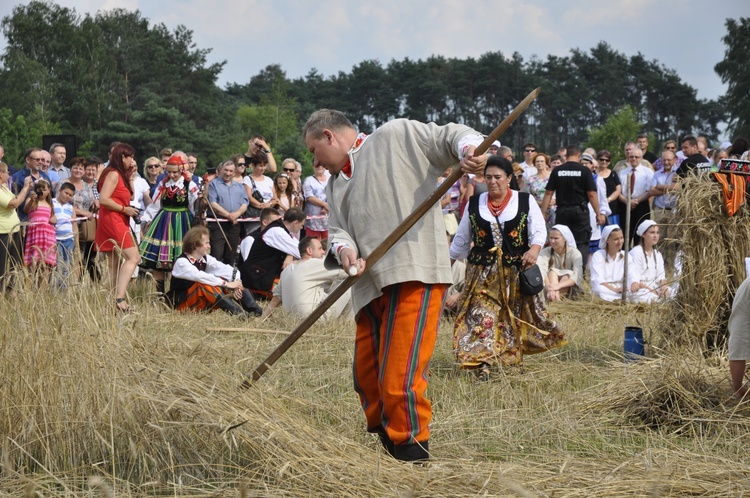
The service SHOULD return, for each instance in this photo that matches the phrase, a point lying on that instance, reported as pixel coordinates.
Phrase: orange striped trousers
(396, 336)
(200, 297)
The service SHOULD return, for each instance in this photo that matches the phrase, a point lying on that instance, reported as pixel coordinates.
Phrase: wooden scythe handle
(387, 243)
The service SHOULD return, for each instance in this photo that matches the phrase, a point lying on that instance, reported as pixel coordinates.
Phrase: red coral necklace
(496, 208)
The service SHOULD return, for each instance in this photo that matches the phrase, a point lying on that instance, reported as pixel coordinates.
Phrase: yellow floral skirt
(496, 324)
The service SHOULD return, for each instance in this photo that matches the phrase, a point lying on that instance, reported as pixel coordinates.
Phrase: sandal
(126, 308)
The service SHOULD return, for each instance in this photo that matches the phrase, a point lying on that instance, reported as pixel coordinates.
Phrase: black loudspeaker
(69, 141)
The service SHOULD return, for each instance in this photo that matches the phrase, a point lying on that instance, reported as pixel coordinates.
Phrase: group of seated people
(275, 265)
(169, 198)
(562, 266)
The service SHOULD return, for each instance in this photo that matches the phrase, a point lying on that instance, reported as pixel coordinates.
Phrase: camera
(137, 218)
(40, 193)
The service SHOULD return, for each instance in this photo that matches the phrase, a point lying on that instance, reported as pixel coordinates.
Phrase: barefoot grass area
(97, 403)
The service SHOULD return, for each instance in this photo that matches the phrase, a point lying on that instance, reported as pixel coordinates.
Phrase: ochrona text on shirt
(569, 173)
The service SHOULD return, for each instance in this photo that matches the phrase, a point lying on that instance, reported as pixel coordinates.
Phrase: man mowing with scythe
(377, 181)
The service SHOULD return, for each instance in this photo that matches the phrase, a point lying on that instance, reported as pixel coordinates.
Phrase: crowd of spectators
(587, 214)
(50, 215)
(54, 219)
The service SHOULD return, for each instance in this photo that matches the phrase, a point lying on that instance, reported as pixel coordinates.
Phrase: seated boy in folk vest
(201, 282)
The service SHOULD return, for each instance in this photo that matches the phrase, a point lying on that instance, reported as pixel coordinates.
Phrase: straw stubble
(96, 402)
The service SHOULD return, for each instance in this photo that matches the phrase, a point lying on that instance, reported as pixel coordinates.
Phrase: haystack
(686, 394)
(714, 247)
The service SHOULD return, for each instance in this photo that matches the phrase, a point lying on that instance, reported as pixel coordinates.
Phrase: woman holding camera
(113, 229)
(11, 243)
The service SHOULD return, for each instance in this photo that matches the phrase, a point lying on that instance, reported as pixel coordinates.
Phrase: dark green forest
(116, 76)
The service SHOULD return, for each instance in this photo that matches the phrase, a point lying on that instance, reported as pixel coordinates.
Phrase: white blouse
(536, 227)
(155, 206)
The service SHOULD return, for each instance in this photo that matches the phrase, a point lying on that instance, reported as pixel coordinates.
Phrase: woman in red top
(113, 229)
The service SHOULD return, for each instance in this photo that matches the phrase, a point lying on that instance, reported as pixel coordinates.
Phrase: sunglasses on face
(241, 165)
(289, 170)
(602, 159)
(529, 150)
(153, 166)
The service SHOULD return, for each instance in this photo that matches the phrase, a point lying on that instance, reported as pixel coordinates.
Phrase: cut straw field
(98, 404)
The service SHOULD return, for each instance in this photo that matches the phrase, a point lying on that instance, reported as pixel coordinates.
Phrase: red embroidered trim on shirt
(347, 169)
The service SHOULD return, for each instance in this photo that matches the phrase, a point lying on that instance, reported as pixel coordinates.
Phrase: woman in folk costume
(646, 277)
(607, 265)
(501, 232)
(168, 219)
(561, 264)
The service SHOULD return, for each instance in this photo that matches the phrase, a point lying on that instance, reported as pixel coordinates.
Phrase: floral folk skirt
(496, 324)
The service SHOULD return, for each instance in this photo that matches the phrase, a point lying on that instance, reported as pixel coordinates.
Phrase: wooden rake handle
(387, 243)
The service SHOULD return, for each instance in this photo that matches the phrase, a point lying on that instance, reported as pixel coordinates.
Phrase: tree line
(116, 76)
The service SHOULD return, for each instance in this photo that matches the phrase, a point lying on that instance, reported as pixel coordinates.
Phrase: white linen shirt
(216, 272)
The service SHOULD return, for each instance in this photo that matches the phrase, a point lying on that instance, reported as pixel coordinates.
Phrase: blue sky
(334, 35)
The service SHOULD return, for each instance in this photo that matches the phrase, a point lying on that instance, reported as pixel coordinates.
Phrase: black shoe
(249, 304)
(228, 304)
(412, 452)
(384, 439)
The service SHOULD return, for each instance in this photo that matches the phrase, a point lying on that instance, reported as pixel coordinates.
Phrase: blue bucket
(633, 344)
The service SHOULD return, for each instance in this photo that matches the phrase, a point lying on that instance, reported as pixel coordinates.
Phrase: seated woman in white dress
(561, 264)
(608, 265)
(646, 278)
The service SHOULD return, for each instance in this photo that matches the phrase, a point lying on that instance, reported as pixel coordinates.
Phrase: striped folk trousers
(396, 336)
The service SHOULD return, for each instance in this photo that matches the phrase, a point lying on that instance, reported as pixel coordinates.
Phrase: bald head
(504, 151)
(668, 159)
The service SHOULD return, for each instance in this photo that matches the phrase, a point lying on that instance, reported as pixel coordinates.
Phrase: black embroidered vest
(263, 264)
(515, 240)
(178, 287)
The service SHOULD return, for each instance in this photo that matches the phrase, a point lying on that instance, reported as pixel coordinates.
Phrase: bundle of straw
(713, 249)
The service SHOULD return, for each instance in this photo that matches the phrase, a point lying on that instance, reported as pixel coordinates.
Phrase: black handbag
(251, 211)
(531, 281)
